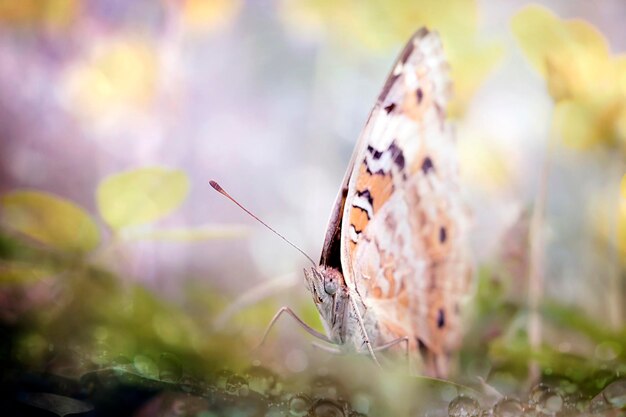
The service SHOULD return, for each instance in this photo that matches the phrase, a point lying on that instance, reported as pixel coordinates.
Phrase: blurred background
(114, 115)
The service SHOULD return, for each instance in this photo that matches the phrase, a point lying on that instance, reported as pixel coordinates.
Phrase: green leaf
(573, 318)
(49, 219)
(141, 196)
(18, 273)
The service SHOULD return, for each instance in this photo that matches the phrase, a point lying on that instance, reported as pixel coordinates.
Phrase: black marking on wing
(367, 195)
(427, 165)
(390, 108)
(375, 154)
(441, 318)
(397, 155)
(370, 200)
(358, 232)
(420, 95)
(443, 235)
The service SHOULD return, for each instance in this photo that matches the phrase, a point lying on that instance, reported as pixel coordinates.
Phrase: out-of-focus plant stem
(536, 268)
(615, 269)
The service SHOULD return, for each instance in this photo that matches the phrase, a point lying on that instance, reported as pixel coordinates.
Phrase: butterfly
(394, 265)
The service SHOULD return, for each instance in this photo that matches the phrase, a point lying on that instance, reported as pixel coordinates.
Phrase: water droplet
(545, 400)
(190, 384)
(615, 393)
(531, 411)
(607, 351)
(536, 392)
(299, 405)
(146, 366)
(101, 354)
(326, 408)
(237, 385)
(486, 413)
(261, 380)
(463, 406)
(448, 392)
(598, 404)
(566, 387)
(170, 368)
(581, 404)
(221, 378)
(326, 387)
(508, 407)
(361, 402)
(275, 411)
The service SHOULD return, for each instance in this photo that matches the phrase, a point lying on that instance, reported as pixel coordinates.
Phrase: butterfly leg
(325, 348)
(298, 320)
(366, 338)
(394, 342)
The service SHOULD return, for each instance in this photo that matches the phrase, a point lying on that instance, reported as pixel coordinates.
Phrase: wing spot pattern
(427, 165)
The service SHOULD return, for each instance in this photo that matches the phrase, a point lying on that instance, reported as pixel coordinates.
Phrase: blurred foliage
(587, 82)
(207, 15)
(497, 343)
(67, 317)
(621, 223)
(37, 13)
(50, 220)
(126, 200)
(116, 74)
(141, 196)
(379, 26)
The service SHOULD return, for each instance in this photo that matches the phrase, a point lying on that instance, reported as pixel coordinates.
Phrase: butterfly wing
(403, 223)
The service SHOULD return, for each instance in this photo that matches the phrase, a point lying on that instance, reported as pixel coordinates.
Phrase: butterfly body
(394, 263)
(332, 299)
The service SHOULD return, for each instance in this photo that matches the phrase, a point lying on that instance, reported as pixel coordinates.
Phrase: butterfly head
(330, 296)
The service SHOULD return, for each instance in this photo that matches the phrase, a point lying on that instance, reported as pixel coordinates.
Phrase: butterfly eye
(330, 285)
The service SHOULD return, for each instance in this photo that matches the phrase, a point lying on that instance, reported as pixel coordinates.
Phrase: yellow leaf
(569, 54)
(621, 223)
(53, 13)
(141, 196)
(383, 24)
(620, 129)
(538, 32)
(620, 71)
(122, 72)
(204, 15)
(470, 64)
(49, 219)
(575, 121)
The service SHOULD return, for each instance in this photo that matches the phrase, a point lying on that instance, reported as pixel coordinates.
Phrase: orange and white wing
(403, 221)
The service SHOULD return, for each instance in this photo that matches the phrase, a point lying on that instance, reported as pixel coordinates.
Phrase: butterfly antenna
(220, 190)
